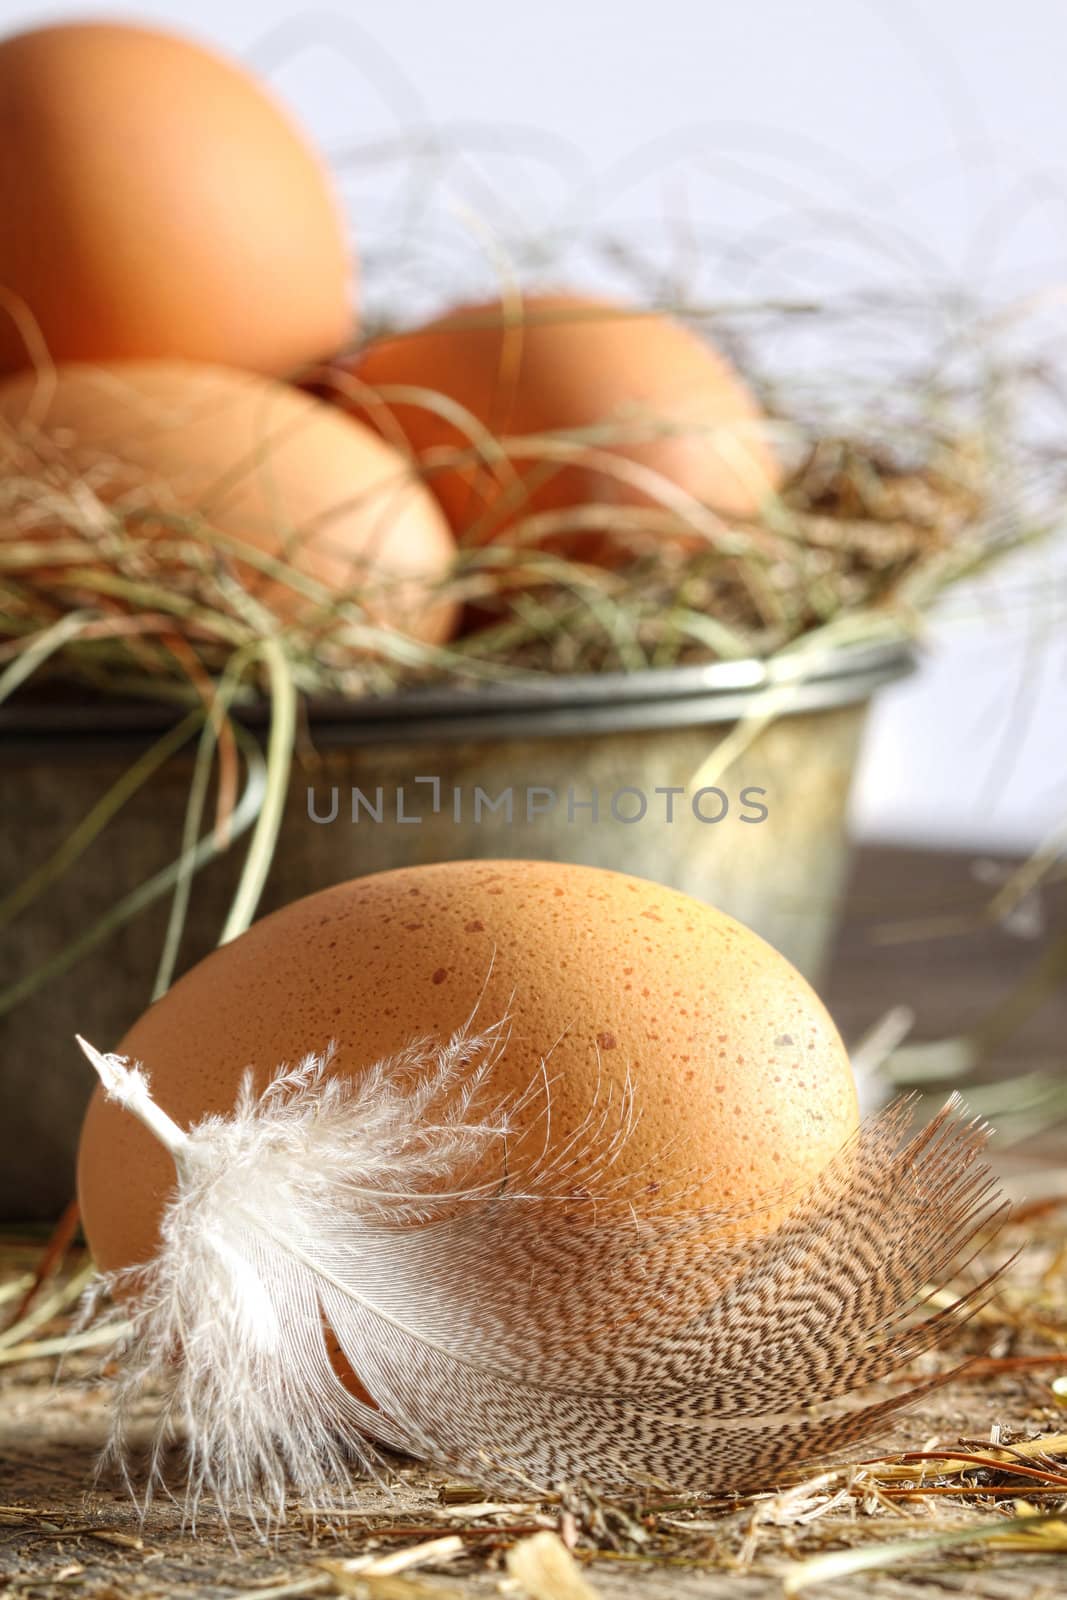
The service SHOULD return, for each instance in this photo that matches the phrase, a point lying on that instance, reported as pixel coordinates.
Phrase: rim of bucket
(721, 691)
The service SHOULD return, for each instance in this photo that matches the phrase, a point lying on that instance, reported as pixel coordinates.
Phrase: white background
(896, 140)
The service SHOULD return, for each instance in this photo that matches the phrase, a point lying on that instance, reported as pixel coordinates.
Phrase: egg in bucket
(215, 469)
(558, 420)
(159, 203)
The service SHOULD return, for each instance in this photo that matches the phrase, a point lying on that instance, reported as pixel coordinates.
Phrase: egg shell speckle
(742, 1083)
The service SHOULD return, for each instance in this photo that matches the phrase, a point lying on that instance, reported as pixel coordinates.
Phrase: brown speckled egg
(628, 395)
(184, 450)
(741, 1080)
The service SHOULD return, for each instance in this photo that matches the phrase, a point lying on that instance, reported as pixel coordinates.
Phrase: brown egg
(741, 1080)
(258, 461)
(156, 201)
(662, 401)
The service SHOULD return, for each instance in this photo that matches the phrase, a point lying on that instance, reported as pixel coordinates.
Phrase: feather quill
(534, 1329)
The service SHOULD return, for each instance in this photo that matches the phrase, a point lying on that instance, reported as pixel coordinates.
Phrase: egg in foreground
(742, 1085)
(155, 201)
(268, 466)
(639, 406)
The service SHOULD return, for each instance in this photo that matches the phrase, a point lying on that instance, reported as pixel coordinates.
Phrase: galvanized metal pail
(728, 781)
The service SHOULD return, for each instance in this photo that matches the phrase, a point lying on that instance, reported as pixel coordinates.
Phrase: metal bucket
(728, 781)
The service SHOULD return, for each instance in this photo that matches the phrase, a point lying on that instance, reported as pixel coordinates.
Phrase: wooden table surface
(59, 1535)
(915, 933)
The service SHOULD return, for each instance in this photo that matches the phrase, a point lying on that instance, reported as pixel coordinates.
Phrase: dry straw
(890, 498)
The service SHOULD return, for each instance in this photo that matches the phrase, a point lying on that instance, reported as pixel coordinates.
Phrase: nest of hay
(889, 499)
